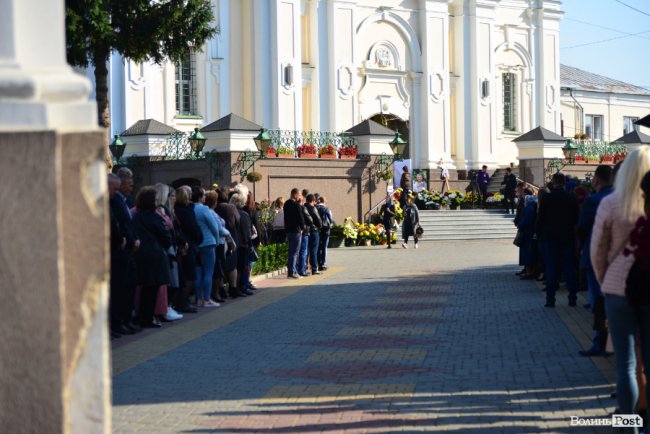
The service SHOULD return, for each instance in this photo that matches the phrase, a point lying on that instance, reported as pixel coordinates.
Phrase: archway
(395, 123)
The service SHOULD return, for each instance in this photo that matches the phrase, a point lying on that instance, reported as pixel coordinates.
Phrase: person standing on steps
(314, 232)
(405, 184)
(510, 182)
(482, 181)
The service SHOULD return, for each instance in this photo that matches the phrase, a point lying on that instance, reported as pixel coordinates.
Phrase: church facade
(459, 78)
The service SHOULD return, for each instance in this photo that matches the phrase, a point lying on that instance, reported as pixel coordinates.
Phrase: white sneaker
(172, 315)
(416, 246)
(211, 303)
(405, 246)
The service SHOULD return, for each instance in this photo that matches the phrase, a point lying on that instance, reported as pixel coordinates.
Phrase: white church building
(459, 78)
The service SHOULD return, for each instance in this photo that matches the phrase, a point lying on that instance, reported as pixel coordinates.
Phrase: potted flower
(327, 151)
(254, 176)
(607, 159)
(307, 151)
(386, 175)
(580, 159)
(350, 231)
(336, 236)
(348, 152)
(286, 152)
(270, 152)
(365, 234)
(455, 199)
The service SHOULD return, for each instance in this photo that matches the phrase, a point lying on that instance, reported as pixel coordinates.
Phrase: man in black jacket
(294, 224)
(123, 270)
(510, 182)
(556, 223)
(314, 232)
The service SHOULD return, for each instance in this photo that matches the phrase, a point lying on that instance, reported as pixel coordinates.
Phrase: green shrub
(272, 257)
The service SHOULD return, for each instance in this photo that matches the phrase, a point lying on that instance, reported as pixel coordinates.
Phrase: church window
(509, 102)
(628, 124)
(594, 126)
(186, 85)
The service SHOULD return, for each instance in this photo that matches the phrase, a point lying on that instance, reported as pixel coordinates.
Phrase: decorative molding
(345, 80)
(384, 54)
(135, 75)
(437, 86)
(288, 83)
(551, 98)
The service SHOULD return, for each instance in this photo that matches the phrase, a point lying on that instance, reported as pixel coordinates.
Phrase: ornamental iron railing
(288, 140)
(596, 148)
(177, 147)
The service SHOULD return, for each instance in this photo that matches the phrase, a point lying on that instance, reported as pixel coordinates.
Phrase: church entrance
(395, 123)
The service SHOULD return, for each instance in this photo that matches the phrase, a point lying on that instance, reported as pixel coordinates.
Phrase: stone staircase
(476, 224)
(496, 179)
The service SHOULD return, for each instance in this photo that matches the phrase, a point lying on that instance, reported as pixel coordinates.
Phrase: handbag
(519, 238)
(637, 284)
(419, 231)
(253, 256)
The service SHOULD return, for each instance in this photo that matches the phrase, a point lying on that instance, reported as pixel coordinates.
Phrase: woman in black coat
(191, 234)
(411, 221)
(151, 258)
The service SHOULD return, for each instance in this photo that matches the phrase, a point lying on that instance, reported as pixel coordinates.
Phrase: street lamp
(398, 146)
(570, 150)
(117, 147)
(197, 142)
(262, 141)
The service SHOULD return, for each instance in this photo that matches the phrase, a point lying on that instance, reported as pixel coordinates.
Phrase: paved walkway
(443, 338)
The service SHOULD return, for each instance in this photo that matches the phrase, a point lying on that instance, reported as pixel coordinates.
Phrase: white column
(546, 17)
(37, 87)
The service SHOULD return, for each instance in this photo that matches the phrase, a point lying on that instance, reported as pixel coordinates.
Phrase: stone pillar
(54, 364)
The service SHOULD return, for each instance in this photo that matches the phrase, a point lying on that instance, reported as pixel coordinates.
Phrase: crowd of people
(598, 238)
(174, 251)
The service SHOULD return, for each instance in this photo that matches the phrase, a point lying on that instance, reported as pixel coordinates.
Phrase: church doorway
(395, 123)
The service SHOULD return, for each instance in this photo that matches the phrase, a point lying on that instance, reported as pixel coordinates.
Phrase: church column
(54, 363)
(546, 18)
(286, 77)
(433, 117)
(342, 66)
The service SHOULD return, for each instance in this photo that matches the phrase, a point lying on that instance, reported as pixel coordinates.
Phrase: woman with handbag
(411, 221)
(614, 221)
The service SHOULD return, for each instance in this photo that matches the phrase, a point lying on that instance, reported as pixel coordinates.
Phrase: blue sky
(626, 58)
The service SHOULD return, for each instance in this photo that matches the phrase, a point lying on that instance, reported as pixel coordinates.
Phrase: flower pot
(270, 153)
(286, 155)
(348, 157)
(330, 156)
(335, 242)
(365, 243)
(307, 155)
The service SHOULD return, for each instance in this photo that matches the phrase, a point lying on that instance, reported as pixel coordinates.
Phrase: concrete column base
(54, 365)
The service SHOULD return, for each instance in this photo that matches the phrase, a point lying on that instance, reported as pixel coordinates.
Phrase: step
(465, 237)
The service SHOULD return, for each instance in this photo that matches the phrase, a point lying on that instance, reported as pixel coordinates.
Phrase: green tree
(140, 30)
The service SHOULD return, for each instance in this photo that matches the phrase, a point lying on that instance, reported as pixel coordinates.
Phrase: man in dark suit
(557, 219)
(602, 184)
(294, 224)
(123, 262)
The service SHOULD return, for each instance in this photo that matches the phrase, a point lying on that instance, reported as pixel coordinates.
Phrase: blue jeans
(293, 240)
(560, 255)
(624, 323)
(302, 256)
(314, 237)
(204, 272)
(593, 286)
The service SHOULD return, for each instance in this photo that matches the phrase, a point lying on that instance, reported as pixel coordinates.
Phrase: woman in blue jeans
(615, 219)
(207, 252)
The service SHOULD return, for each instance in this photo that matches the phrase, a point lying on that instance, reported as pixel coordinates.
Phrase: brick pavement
(385, 341)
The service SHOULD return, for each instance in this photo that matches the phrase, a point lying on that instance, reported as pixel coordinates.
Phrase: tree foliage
(140, 30)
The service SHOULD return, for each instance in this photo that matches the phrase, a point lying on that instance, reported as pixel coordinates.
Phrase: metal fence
(177, 147)
(595, 148)
(291, 140)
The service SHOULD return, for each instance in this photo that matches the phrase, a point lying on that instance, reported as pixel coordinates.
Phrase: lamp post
(197, 142)
(117, 147)
(398, 146)
(569, 150)
(556, 164)
(262, 141)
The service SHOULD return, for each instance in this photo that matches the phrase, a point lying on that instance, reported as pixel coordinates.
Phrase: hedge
(272, 257)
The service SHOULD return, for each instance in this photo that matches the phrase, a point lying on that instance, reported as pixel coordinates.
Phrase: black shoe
(527, 277)
(304, 275)
(219, 300)
(115, 335)
(133, 327)
(572, 304)
(123, 330)
(187, 309)
(151, 325)
(323, 268)
(251, 287)
(587, 306)
(594, 353)
(544, 289)
(247, 292)
(549, 305)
